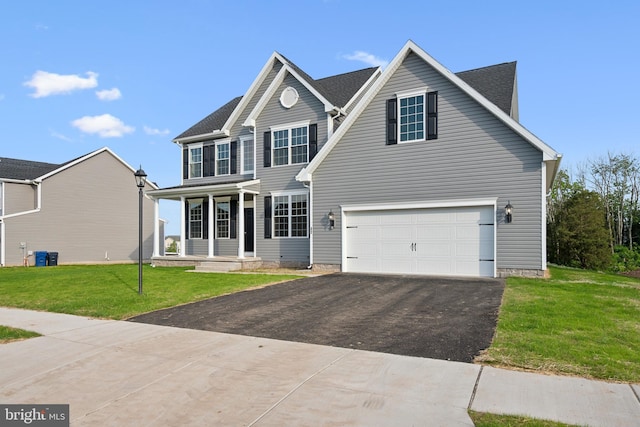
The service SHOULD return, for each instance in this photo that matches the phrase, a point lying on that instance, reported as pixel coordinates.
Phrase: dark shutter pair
(313, 145)
(233, 219)
(431, 118)
(209, 160)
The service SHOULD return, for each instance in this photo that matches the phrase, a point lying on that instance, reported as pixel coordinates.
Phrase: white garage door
(439, 241)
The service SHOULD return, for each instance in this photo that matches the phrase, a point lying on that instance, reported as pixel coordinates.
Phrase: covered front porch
(216, 222)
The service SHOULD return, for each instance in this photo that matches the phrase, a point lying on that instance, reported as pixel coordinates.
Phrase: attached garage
(456, 239)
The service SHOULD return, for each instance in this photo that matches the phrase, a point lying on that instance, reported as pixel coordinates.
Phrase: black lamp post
(141, 180)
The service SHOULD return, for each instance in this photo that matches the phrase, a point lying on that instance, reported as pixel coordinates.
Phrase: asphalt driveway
(440, 318)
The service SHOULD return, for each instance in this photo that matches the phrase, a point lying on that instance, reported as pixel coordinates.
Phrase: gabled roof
(213, 121)
(334, 91)
(549, 155)
(24, 169)
(496, 83)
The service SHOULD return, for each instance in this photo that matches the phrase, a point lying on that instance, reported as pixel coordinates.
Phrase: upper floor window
(195, 161)
(412, 117)
(246, 156)
(290, 144)
(222, 158)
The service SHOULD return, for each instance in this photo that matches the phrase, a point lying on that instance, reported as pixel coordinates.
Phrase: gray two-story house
(410, 170)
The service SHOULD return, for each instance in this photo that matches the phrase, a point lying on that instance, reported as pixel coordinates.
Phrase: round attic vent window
(289, 97)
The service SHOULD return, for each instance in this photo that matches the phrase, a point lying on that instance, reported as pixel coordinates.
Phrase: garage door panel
(441, 241)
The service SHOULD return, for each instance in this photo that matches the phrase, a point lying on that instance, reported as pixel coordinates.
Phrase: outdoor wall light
(141, 180)
(508, 213)
(332, 220)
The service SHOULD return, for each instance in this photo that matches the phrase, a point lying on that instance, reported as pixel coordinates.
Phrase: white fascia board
(268, 94)
(262, 75)
(88, 156)
(218, 133)
(364, 87)
(172, 193)
(271, 90)
(431, 204)
(357, 111)
(549, 153)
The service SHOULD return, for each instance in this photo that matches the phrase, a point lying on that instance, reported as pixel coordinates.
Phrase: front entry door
(248, 229)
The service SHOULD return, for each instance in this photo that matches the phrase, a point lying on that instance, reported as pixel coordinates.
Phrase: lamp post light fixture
(141, 180)
(332, 220)
(508, 213)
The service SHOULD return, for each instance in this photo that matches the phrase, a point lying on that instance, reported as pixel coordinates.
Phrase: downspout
(3, 248)
(310, 187)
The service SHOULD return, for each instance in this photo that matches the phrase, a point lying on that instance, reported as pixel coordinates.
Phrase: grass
(8, 334)
(577, 322)
(481, 419)
(111, 291)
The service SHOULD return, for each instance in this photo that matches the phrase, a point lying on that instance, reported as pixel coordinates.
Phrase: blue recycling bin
(41, 258)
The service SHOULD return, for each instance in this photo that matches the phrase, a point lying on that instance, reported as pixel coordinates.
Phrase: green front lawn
(8, 334)
(577, 322)
(481, 419)
(111, 291)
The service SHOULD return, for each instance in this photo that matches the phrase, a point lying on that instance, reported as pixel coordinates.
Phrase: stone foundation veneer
(522, 272)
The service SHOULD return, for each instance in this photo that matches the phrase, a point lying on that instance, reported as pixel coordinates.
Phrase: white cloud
(109, 94)
(58, 135)
(152, 131)
(106, 126)
(367, 58)
(46, 83)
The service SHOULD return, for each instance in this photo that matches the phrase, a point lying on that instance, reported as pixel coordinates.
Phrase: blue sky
(76, 76)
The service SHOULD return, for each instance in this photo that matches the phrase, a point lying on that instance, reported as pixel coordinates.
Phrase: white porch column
(210, 227)
(241, 225)
(183, 216)
(156, 227)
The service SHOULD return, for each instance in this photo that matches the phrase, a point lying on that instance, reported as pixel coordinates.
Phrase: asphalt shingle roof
(24, 169)
(495, 82)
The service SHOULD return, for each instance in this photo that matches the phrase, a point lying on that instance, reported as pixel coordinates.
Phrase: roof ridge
(348, 72)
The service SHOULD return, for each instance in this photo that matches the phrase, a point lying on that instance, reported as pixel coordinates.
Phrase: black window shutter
(185, 163)
(267, 149)
(233, 218)
(206, 158)
(187, 216)
(212, 160)
(313, 141)
(205, 219)
(267, 217)
(233, 157)
(432, 115)
(392, 121)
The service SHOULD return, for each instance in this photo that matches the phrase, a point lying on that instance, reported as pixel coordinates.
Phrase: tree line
(593, 218)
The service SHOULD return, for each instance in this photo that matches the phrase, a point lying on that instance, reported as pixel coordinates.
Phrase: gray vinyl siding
(89, 213)
(19, 197)
(221, 247)
(282, 178)
(475, 156)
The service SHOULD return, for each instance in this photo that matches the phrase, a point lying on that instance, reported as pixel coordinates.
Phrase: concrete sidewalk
(123, 373)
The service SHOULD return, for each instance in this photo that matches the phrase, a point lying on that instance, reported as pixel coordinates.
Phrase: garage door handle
(413, 247)
(352, 257)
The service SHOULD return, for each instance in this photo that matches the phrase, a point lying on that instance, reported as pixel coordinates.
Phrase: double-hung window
(222, 158)
(412, 116)
(195, 219)
(290, 215)
(195, 161)
(223, 216)
(246, 156)
(290, 144)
